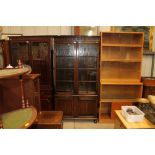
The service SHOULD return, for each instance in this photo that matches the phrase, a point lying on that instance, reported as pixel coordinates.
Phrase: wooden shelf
(120, 82)
(86, 81)
(121, 60)
(105, 118)
(88, 68)
(87, 92)
(123, 32)
(65, 68)
(148, 53)
(121, 45)
(117, 100)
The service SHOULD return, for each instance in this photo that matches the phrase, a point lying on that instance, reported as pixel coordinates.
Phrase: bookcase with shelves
(76, 69)
(120, 70)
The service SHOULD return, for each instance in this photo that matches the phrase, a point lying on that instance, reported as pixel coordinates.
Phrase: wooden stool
(49, 120)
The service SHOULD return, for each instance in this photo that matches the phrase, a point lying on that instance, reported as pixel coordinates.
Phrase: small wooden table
(49, 120)
(121, 123)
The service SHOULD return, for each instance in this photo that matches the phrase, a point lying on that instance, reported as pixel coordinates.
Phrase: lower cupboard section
(77, 106)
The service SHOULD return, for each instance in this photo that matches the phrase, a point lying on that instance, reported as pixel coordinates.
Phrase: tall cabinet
(76, 76)
(120, 70)
(36, 52)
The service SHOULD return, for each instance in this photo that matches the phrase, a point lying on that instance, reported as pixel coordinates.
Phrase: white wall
(38, 30)
(104, 28)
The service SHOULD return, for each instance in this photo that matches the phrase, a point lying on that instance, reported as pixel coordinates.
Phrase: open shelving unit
(120, 71)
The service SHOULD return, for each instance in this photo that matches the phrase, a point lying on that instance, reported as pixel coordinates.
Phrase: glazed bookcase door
(87, 68)
(41, 60)
(20, 50)
(65, 67)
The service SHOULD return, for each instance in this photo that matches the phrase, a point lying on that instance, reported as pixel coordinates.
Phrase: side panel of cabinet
(65, 104)
(87, 106)
(46, 100)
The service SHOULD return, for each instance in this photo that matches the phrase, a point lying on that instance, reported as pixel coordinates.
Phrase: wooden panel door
(65, 104)
(87, 106)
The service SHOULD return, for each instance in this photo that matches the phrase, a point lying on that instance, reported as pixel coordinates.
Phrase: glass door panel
(87, 75)
(20, 50)
(87, 49)
(40, 60)
(65, 74)
(87, 62)
(87, 87)
(64, 86)
(87, 67)
(64, 67)
(64, 50)
(67, 62)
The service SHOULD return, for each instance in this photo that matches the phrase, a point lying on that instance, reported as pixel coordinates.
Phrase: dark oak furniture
(36, 52)
(76, 72)
(49, 120)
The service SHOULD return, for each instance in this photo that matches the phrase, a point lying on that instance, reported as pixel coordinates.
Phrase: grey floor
(85, 124)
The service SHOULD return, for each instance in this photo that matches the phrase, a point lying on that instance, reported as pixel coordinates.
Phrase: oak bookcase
(120, 70)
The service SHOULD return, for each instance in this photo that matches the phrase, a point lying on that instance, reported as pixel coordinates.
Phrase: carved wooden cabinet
(76, 76)
(36, 52)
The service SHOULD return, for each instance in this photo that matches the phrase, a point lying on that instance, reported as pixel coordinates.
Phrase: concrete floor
(85, 124)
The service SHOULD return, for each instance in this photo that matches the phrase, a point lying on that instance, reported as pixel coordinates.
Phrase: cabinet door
(65, 104)
(87, 106)
(20, 50)
(87, 68)
(64, 67)
(41, 60)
